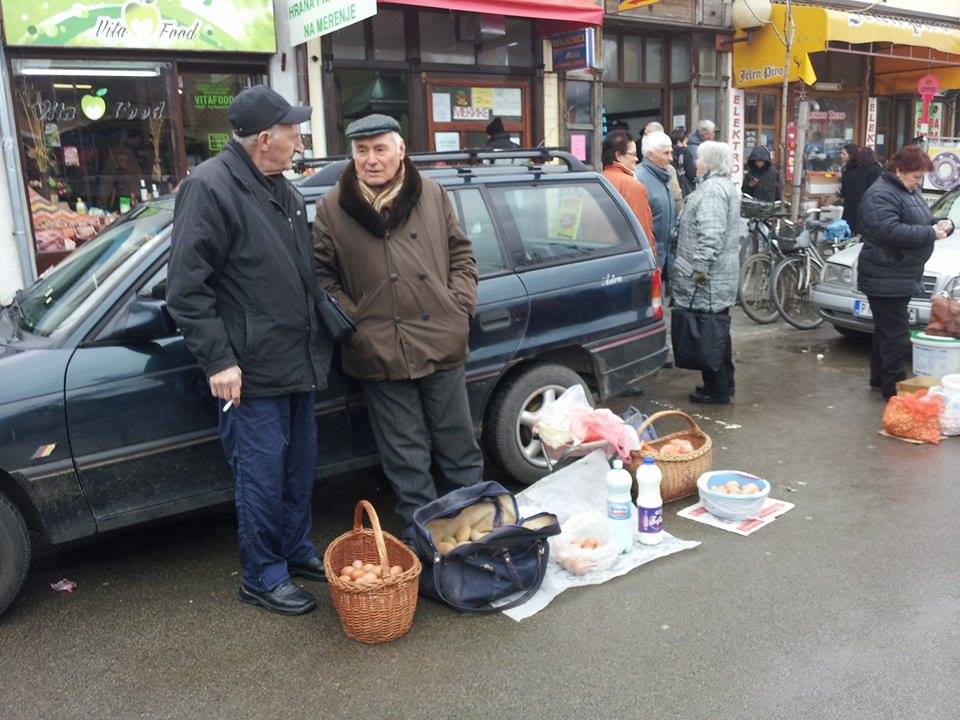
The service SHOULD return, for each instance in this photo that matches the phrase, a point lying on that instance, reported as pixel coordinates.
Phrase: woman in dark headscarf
(858, 175)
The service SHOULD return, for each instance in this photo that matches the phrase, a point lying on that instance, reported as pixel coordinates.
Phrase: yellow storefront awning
(759, 60)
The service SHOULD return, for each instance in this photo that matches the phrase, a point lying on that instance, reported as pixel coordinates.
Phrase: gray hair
(248, 142)
(652, 127)
(706, 126)
(397, 138)
(717, 157)
(655, 141)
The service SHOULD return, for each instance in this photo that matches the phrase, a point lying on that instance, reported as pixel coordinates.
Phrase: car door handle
(495, 319)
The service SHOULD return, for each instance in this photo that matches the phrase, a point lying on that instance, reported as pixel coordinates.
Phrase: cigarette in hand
(227, 406)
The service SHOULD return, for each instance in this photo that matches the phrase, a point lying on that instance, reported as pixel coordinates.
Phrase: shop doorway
(760, 121)
(460, 109)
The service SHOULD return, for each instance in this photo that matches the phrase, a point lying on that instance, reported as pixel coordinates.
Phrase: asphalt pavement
(845, 607)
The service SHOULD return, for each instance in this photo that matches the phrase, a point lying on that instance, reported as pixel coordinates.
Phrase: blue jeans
(271, 445)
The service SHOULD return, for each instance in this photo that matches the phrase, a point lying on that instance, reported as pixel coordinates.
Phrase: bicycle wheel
(756, 297)
(792, 282)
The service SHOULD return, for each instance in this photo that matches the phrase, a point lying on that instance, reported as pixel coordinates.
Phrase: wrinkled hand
(700, 279)
(225, 384)
(943, 228)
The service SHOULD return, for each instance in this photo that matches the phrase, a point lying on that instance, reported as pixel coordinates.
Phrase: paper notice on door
(446, 141)
(482, 97)
(441, 107)
(578, 146)
(507, 102)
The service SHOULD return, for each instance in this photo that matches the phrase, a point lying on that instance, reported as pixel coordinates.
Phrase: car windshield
(948, 206)
(91, 271)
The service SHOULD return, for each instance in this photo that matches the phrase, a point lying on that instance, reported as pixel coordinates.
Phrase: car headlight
(838, 274)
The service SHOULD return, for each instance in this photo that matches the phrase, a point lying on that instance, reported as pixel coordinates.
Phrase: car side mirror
(145, 318)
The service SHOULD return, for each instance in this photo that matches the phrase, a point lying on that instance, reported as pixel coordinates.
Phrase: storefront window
(679, 60)
(636, 107)
(205, 98)
(679, 109)
(512, 49)
(363, 92)
(707, 62)
(707, 100)
(97, 137)
(632, 59)
(578, 105)
(440, 43)
(831, 127)
(350, 43)
(653, 72)
(389, 41)
(611, 68)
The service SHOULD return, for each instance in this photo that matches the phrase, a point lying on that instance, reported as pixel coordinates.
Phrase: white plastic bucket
(934, 355)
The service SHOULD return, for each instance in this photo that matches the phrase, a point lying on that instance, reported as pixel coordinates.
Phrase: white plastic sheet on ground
(577, 488)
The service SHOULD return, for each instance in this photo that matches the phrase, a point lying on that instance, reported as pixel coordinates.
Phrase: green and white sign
(211, 25)
(313, 18)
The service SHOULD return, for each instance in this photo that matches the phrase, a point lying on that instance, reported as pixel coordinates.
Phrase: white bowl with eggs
(731, 494)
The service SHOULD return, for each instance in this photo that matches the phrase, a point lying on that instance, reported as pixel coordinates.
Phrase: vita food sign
(204, 25)
(313, 18)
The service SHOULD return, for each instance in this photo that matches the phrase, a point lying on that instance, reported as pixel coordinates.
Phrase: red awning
(568, 15)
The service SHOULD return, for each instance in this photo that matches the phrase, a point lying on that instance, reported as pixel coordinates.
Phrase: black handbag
(700, 339)
(338, 324)
(500, 570)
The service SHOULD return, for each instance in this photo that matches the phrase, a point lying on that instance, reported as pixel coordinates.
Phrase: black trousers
(891, 343)
(720, 383)
(411, 418)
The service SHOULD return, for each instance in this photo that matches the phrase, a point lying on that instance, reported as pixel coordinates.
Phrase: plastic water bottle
(649, 503)
(81, 206)
(620, 506)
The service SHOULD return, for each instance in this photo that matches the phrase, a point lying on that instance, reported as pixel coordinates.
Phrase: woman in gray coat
(706, 270)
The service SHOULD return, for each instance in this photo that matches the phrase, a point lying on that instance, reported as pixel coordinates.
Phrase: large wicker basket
(680, 472)
(382, 612)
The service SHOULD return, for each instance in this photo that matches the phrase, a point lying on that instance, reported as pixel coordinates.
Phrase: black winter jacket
(853, 184)
(501, 141)
(237, 284)
(898, 237)
(767, 186)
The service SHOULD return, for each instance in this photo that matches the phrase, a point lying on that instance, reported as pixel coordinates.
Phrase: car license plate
(861, 308)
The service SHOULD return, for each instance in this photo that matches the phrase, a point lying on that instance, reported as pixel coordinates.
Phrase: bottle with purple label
(649, 503)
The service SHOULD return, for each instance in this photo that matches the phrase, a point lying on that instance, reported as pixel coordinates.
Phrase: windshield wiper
(15, 309)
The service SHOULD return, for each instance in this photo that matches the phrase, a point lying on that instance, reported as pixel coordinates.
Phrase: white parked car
(847, 309)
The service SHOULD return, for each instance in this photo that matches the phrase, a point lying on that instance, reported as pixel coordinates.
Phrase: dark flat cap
(371, 126)
(259, 108)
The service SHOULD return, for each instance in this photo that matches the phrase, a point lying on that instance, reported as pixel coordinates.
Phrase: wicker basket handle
(364, 507)
(664, 413)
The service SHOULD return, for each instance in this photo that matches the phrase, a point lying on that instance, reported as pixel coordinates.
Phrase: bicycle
(799, 270)
(759, 253)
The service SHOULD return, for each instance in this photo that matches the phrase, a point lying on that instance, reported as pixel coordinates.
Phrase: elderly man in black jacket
(243, 291)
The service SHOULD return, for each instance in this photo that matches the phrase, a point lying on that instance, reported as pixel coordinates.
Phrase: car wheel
(513, 412)
(14, 552)
(851, 333)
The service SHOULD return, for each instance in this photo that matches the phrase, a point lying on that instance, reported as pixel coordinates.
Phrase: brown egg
(346, 569)
(357, 564)
(368, 567)
(346, 578)
(369, 577)
(396, 570)
(377, 570)
(356, 573)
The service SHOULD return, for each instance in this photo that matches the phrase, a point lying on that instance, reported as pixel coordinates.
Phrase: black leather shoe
(286, 599)
(702, 399)
(312, 569)
(699, 390)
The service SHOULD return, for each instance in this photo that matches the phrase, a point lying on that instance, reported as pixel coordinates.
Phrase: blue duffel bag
(478, 555)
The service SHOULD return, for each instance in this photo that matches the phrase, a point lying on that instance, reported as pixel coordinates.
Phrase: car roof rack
(471, 156)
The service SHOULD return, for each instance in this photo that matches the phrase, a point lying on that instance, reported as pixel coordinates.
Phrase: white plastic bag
(578, 560)
(554, 423)
(950, 415)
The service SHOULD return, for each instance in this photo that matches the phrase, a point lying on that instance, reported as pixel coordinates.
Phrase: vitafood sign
(197, 25)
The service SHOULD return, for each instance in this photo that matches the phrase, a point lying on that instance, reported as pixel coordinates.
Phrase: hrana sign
(312, 18)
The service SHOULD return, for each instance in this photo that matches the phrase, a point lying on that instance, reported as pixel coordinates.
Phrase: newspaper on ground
(578, 488)
(771, 510)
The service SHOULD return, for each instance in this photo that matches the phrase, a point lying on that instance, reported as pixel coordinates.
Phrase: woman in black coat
(898, 235)
(859, 174)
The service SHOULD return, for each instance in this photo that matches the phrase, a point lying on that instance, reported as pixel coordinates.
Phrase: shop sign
(736, 134)
(142, 24)
(574, 50)
(217, 141)
(933, 127)
(791, 151)
(870, 139)
(212, 96)
(312, 18)
(471, 112)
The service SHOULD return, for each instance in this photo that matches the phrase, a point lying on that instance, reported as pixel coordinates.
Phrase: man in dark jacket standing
(390, 250)
(761, 180)
(498, 138)
(243, 291)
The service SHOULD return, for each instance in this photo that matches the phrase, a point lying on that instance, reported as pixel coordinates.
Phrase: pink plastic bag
(589, 425)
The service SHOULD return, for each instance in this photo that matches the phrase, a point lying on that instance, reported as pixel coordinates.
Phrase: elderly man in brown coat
(390, 250)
